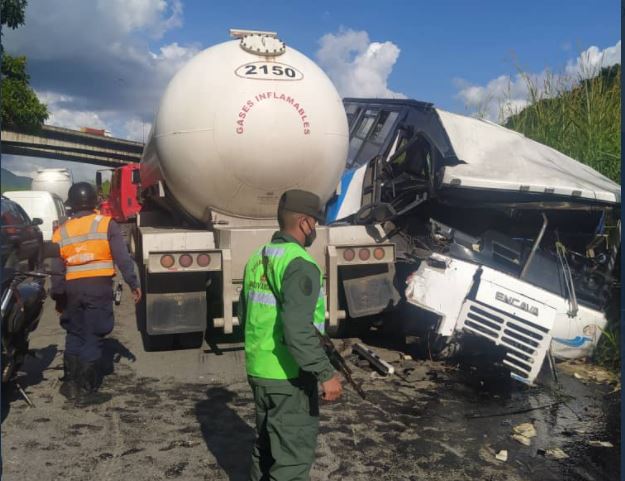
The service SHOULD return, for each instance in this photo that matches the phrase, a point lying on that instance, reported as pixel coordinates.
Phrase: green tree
(21, 109)
(12, 12)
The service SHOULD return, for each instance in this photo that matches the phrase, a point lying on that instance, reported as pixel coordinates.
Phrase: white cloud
(508, 94)
(156, 16)
(67, 117)
(136, 129)
(498, 99)
(592, 60)
(357, 66)
(98, 69)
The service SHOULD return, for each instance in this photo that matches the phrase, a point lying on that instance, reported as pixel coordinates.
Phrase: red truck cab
(122, 202)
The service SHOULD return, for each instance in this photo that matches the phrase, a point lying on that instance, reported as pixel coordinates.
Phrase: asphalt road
(188, 415)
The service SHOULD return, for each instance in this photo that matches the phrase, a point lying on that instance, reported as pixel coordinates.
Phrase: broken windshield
(370, 134)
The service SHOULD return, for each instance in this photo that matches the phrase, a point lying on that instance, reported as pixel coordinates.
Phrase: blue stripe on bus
(335, 205)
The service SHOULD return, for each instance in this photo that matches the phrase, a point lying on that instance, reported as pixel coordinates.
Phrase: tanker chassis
(192, 277)
(237, 126)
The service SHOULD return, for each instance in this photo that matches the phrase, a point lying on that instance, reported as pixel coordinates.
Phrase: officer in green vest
(282, 302)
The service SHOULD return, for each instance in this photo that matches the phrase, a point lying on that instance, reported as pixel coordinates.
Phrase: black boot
(71, 366)
(89, 382)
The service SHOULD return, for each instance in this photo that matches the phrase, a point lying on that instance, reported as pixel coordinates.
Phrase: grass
(608, 352)
(580, 117)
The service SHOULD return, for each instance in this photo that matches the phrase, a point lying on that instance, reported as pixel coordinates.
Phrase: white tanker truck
(55, 181)
(240, 124)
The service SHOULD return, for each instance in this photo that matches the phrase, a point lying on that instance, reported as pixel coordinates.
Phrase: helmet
(82, 196)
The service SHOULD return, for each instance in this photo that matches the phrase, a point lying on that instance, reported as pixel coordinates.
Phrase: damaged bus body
(498, 238)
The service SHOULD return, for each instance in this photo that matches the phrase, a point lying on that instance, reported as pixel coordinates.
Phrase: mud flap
(176, 312)
(371, 294)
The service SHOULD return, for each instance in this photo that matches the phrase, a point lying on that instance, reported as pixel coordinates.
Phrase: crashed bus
(498, 238)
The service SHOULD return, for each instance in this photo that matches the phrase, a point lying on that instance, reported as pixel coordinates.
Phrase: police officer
(90, 244)
(281, 305)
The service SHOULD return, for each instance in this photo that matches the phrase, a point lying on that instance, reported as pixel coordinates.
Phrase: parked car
(43, 205)
(20, 237)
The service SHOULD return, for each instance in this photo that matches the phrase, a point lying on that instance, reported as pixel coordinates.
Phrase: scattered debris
(371, 356)
(601, 444)
(526, 429)
(522, 439)
(490, 455)
(523, 433)
(555, 453)
(415, 374)
(589, 372)
(345, 347)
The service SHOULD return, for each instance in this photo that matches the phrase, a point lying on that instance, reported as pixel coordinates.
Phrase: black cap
(302, 202)
(82, 196)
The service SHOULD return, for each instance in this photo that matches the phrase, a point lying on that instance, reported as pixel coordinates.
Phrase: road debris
(600, 444)
(526, 429)
(554, 453)
(523, 433)
(502, 455)
(400, 432)
(586, 372)
(371, 356)
(522, 439)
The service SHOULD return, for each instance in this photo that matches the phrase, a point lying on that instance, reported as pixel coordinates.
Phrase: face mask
(310, 237)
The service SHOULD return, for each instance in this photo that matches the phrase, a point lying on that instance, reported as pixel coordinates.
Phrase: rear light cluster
(364, 253)
(169, 261)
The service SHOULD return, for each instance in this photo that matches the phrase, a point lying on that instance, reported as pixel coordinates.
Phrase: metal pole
(535, 246)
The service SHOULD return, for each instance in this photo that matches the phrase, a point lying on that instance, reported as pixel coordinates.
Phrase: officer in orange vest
(90, 246)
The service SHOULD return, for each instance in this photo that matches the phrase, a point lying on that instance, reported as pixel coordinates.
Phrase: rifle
(338, 362)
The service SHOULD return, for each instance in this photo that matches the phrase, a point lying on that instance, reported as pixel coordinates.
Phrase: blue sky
(439, 40)
(105, 63)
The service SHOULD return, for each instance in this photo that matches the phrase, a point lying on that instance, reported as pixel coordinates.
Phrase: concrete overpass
(72, 145)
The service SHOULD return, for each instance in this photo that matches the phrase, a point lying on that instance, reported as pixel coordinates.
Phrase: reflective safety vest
(266, 354)
(84, 247)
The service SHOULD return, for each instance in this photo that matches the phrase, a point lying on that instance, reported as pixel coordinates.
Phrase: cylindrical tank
(243, 122)
(56, 181)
